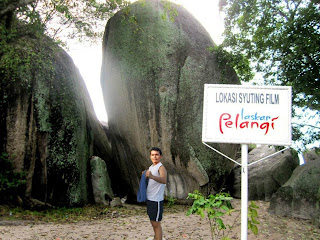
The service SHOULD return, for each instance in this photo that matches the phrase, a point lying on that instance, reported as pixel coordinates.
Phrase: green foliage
(26, 63)
(170, 10)
(171, 201)
(12, 183)
(65, 20)
(16, 65)
(252, 217)
(306, 132)
(238, 62)
(281, 39)
(214, 208)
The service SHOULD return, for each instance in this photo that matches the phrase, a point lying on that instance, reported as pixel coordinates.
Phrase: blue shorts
(155, 210)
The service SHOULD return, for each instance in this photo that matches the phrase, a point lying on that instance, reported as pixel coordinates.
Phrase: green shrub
(12, 184)
(214, 207)
(171, 200)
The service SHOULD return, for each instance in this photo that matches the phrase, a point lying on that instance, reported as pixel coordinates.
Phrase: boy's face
(155, 156)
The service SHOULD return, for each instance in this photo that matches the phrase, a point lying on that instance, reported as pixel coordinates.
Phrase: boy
(157, 175)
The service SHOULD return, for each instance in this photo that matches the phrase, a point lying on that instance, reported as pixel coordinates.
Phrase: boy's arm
(163, 175)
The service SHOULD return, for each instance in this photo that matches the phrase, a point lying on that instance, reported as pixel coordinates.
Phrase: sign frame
(283, 92)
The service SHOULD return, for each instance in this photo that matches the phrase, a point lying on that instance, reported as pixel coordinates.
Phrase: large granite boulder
(48, 125)
(265, 177)
(156, 60)
(300, 195)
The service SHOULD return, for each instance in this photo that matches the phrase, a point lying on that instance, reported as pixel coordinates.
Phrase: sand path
(176, 226)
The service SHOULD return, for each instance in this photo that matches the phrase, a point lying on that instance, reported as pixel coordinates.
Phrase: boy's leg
(155, 211)
(157, 230)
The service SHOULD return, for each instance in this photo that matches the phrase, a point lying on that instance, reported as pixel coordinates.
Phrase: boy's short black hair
(156, 149)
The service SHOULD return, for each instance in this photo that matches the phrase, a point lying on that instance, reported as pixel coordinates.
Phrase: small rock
(116, 202)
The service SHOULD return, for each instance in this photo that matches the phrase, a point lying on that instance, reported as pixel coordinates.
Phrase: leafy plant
(171, 200)
(252, 217)
(214, 207)
(169, 10)
(237, 61)
(11, 183)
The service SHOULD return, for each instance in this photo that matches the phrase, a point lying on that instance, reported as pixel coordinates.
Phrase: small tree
(215, 207)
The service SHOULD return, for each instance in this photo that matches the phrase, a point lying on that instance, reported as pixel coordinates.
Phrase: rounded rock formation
(156, 60)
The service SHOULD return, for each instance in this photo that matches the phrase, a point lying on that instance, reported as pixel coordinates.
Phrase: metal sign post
(246, 115)
(244, 191)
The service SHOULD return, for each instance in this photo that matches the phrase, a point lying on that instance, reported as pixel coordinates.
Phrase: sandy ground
(176, 225)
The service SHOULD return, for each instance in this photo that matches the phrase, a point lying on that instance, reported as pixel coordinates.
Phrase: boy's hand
(148, 174)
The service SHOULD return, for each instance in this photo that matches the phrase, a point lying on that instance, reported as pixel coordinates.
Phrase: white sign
(247, 114)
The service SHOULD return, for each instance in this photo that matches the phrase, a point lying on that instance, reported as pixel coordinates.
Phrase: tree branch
(13, 6)
(305, 125)
(278, 11)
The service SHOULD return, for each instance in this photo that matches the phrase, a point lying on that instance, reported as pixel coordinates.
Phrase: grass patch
(86, 213)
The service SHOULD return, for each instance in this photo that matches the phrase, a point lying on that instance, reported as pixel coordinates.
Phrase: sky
(88, 59)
